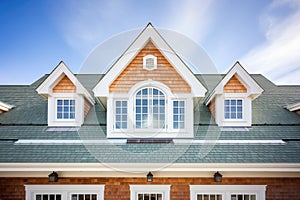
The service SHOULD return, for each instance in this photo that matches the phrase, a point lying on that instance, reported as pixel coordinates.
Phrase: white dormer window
(233, 109)
(150, 62)
(65, 109)
(150, 109)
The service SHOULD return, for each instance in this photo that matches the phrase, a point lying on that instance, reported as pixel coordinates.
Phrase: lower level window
(149, 192)
(228, 192)
(48, 197)
(64, 192)
(209, 196)
(65, 109)
(243, 197)
(84, 197)
(149, 196)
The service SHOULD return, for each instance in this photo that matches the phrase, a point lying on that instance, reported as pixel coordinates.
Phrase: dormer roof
(5, 107)
(237, 71)
(149, 34)
(62, 71)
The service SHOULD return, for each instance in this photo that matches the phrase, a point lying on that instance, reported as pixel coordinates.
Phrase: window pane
(66, 115)
(94, 197)
(74, 196)
(146, 197)
(87, 197)
(233, 102)
(226, 102)
(38, 197)
(59, 115)
(45, 197)
(52, 197)
(66, 102)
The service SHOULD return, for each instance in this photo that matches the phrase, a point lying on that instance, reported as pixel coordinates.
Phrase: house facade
(150, 129)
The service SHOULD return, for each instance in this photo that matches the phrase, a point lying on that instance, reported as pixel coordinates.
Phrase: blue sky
(264, 35)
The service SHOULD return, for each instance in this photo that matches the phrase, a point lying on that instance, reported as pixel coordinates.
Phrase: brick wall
(118, 188)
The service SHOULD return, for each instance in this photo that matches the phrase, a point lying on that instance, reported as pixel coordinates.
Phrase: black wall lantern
(53, 177)
(149, 177)
(218, 177)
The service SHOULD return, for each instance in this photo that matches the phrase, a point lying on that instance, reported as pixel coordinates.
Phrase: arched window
(150, 109)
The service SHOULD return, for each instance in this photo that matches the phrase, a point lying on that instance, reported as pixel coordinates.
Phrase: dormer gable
(234, 85)
(231, 100)
(65, 85)
(68, 100)
(149, 92)
(149, 34)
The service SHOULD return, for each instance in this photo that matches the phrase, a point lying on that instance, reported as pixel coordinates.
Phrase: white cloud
(191, 17)
(279, 56)
(84, 23)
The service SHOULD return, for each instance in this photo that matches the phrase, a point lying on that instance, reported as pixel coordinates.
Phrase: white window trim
(114, 114)
(52, 110)
(227, 190)
(64, 190)
(62, 119)
(164, 189)
(246, 121)
(154, 60)
(243, 110)
(167, 132)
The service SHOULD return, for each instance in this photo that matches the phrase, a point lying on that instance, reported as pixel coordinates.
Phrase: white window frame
(246, 120)
(52, 110)
(227, 190)
(167, 131)
(185, 114)
(65, 190)
(114, 115)
(234, 119)
(145, 62)
(56, 105)
(150, 129)
(138, 189)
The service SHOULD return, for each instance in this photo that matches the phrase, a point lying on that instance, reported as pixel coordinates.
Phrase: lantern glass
(53, 177)
(149, 177)
(217, 177)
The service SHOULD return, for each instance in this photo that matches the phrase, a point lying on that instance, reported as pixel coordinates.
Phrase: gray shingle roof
(271, 121)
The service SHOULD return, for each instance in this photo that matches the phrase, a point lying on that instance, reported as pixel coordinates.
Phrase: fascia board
(140, 167)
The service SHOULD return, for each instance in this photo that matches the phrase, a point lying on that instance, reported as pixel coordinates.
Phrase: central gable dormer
(149, 92)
